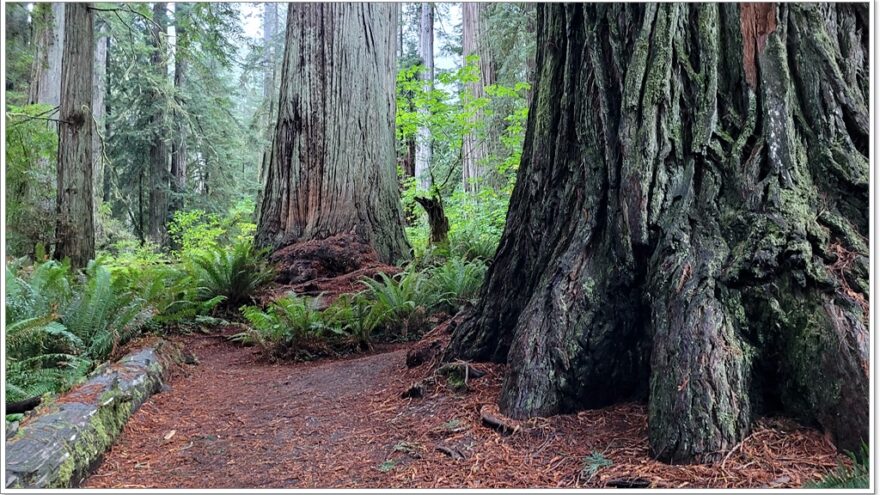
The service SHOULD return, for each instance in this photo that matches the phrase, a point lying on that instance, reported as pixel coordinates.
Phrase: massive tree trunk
(75, 228)
(424, 140)
(49, 45)
(689, 222)
(332, 163)
(476, 145)
(178, 142)
(159, 175)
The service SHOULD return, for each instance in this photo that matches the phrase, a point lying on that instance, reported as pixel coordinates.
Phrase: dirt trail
(234, 420)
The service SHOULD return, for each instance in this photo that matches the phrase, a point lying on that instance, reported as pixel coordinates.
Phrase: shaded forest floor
(236, 420)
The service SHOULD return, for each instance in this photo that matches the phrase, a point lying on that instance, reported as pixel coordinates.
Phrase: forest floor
(237, 420)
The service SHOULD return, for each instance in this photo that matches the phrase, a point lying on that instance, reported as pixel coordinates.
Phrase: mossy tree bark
(331, 168)
(75, 226)
(689, 222)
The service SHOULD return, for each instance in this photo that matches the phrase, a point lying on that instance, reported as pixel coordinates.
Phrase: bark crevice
(688, 224)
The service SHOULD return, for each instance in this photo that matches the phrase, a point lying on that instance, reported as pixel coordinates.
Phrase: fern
(401, 301)
(38, 292)
(457, 282)
(34, 335)
(857, 476)
(288, 320)
(100, 314)
(354, 315)
(234, 274)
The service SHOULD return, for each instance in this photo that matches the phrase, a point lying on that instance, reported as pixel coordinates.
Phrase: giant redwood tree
(689, 223)
(331, 168)
(75, 225)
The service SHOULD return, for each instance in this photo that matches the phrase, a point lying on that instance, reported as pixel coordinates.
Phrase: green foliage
(234, 274)
(288, 320)
(194, 230)
(102, 312)
(451, 112)
(31, 145)
(59, 324)
(402, 300)
(457, 282)
(857, 476)
(593, 463)
(36, 291)
(355, 315)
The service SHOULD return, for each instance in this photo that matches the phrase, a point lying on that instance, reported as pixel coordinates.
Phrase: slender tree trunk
(178, 142)
(49, 40)
(75, 229)
(270, 26)
(424, 141)
(107, 172)
(476, 145)
(331, 168)
(99, 84)
(689, 222)
(159, 176)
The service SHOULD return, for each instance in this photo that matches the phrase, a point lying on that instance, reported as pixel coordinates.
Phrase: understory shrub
(233, 274)
(398, 306)
(856, 476)
(59, 324)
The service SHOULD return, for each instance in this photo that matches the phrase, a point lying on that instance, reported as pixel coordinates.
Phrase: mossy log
(689, 223)
(59, 446)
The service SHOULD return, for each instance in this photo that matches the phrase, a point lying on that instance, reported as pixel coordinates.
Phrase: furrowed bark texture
(332, 163)
(689, 223)
(75, 228)
(159, 176)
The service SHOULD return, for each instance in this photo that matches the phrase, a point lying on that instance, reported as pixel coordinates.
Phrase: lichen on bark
(689, 223)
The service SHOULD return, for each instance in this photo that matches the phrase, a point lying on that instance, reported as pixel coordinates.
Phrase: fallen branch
(496, 423)
(454, 453)
(23, 406)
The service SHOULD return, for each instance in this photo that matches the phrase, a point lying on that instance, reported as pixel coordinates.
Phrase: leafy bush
(234, 274)
(195, 230)
(31, 145)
